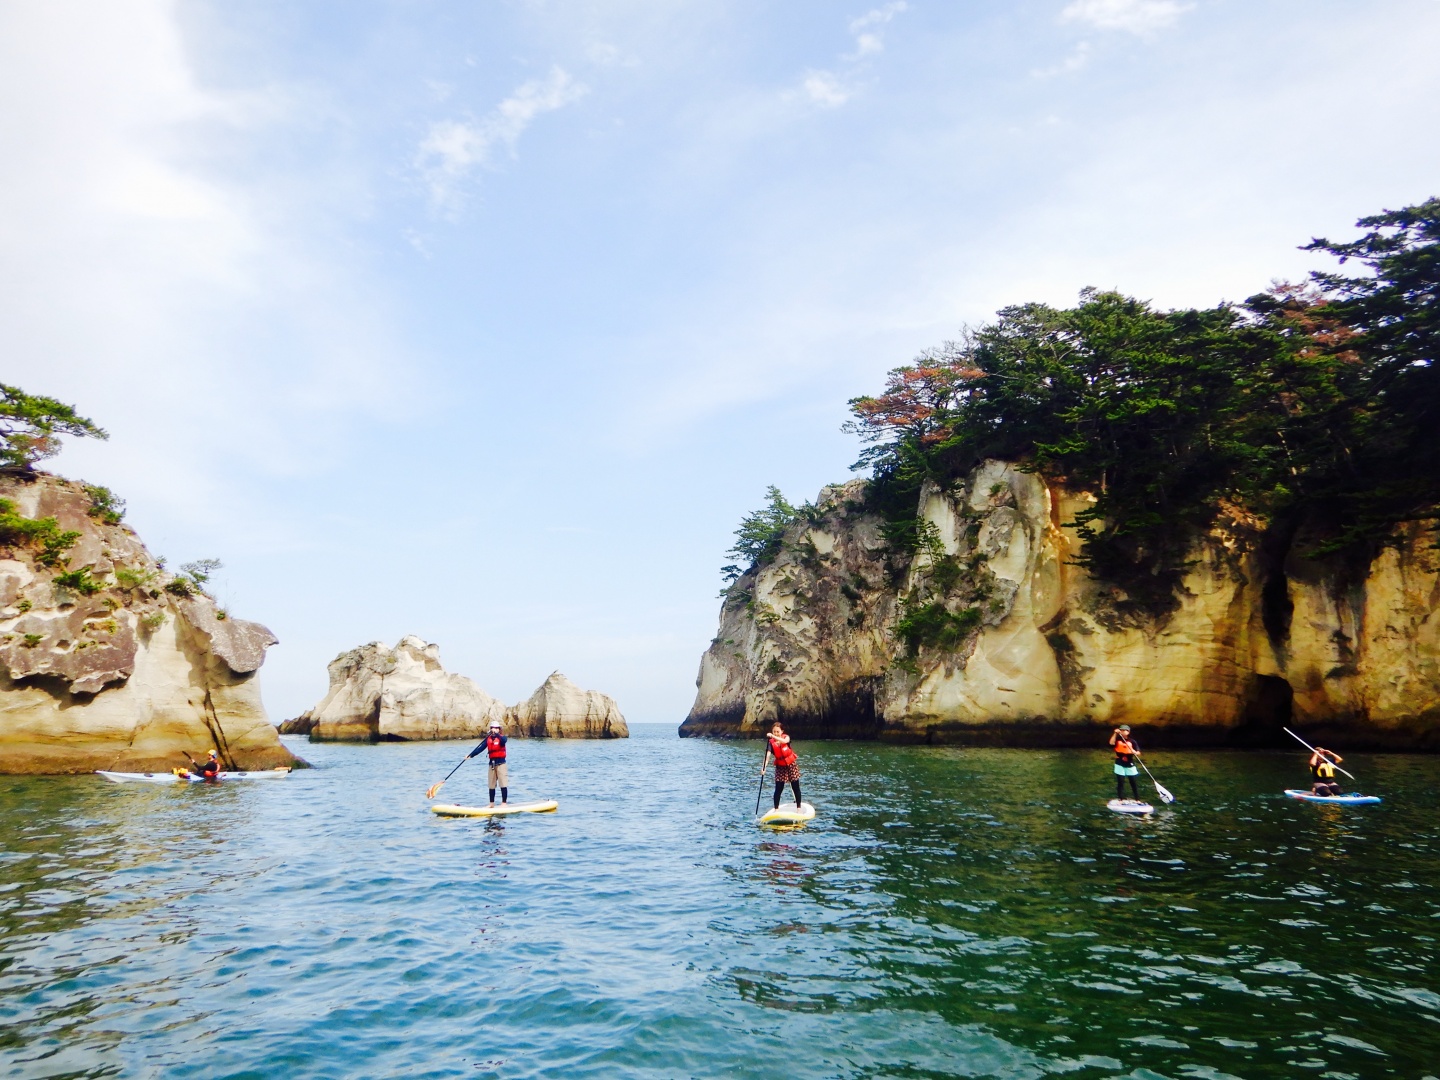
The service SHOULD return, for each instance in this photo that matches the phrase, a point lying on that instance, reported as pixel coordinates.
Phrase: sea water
(974, 913)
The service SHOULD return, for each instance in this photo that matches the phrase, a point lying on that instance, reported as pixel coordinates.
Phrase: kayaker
(787, 768)
(209, 769)
(1126, 751)
(1322, 772)
(494, 747)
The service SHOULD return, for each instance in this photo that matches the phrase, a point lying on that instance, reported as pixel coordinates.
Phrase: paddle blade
(1164, 793)
(433, 788)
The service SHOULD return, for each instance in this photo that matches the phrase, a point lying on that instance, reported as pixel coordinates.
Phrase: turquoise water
(970, 913)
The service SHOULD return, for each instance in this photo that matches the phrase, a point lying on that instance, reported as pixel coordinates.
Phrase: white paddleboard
(451, 810)
(175, 778)
(788, 814)
(1126, 806)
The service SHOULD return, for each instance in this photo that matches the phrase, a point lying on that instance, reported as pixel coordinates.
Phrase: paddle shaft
(1312, 749)
(430, 793)
(764, 764)
(1162, 792)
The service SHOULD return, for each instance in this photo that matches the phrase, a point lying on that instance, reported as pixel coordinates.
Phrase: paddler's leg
(779, 787)
(1119, 787)
(1134, 789)
(795, 787)
(502, 777)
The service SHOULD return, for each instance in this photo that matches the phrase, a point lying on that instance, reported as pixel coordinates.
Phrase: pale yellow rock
(1055, 657)
(561, 710)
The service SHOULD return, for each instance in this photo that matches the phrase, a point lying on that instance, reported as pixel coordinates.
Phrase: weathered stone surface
(117, 674)
(561, 710)
(1055, 657)
(378, 693)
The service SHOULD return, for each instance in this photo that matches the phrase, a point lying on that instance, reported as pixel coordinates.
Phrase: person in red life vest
(1126, 751)
(209, 768)
(494, 746)
(1322, 772)
(787, 769)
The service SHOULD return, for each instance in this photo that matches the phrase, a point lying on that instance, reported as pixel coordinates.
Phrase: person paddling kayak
(209, 769)
(1126, 751)
(787, 768)
(1322, 772)
(494, 747)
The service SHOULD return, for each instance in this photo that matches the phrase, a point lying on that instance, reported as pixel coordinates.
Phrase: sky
(487, 322)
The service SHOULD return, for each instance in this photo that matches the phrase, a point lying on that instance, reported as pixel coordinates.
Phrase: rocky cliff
(106, 660)
(380, 694)
(992, 634)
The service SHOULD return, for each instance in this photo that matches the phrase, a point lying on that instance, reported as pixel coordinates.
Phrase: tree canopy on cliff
(31, 424)
(1314, 406)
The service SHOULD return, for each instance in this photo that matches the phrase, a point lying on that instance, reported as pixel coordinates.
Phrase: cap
(1124, 727)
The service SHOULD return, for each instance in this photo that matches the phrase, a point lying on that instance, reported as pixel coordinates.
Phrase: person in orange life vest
(1322, 772)
(209, 768)
(1126, 751)
(494, 746)
(787, 770)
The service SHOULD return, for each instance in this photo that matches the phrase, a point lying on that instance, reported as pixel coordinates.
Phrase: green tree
(30, 427)
(759, 537)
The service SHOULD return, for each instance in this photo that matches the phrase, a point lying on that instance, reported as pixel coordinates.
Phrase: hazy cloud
(829, 89)
(866, 29)
(453, 149)
(1134, 16)
(1078, 58)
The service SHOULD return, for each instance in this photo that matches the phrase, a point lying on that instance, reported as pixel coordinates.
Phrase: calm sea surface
(951, 912)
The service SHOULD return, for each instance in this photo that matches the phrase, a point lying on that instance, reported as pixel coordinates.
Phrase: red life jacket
(495, 748)
(781, 751)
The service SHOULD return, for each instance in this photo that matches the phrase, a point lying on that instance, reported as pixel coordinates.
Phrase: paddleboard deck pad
(176, 778)
(788, 814)
(1126, 806)
(451, 810)
(1343, 800)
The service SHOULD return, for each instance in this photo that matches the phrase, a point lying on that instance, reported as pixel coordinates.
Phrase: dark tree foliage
(30, 426)
(759, 536)
(1316, 405)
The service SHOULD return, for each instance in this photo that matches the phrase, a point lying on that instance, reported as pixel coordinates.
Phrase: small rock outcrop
(379, 694)
(106, 660)
(994, 634)
(561, 710)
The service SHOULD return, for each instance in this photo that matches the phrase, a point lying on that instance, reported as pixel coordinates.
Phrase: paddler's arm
(476, 751)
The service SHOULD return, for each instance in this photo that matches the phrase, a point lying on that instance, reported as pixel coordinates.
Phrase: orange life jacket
(495, 748)
(1124, 747)
(782, 753)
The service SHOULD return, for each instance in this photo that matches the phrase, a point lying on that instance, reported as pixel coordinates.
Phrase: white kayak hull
(546, 806)
(1127, 806)
(1339, 800)
(176, 778)
(787, 814)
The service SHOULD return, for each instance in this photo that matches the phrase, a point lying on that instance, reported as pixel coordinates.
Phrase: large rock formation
(380, 694)
(992, 634)
(106, 662)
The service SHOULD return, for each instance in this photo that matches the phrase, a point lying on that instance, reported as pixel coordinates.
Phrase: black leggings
(1120, 787)
(504, 795)
(794, 786)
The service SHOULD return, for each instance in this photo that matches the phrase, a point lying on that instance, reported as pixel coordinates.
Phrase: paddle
(1312, 749)
(433, 788)
(764, 764)
(1164, 793)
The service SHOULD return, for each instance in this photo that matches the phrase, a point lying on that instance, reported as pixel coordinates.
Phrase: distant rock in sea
(381, 694)
(108, 661)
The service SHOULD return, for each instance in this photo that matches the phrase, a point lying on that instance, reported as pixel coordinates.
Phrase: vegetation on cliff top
(1312, 406)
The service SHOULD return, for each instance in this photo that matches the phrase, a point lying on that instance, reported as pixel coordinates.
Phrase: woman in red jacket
(787, 769)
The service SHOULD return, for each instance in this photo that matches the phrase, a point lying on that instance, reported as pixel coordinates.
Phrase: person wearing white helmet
(494, 746)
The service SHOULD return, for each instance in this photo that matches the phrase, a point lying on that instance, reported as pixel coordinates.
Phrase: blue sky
(487, 321)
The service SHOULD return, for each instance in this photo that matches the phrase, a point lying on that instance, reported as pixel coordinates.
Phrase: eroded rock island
(107, 661)
(992, 634)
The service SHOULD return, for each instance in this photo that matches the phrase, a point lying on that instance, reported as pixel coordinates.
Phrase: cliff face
(994, 635)
(379, 694)
(101, 667)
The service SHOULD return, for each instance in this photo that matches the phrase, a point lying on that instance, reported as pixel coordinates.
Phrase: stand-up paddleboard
(1343, 800)
(788, 814)
(189, 777)
(1129, 806)
(451, 810)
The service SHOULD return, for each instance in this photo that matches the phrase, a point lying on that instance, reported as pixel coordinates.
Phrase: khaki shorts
(499, 775)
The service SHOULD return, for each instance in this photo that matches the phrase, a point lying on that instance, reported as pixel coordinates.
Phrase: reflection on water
(948, 913)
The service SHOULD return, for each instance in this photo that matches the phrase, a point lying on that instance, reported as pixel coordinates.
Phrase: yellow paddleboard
(787, 815)
(451, 810)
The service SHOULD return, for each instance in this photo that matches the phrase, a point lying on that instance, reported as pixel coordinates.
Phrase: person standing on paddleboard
(494, 746)
(1126, 751)
(787, 768)
(1322, 772)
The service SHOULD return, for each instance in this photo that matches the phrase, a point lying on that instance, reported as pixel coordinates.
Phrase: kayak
(451, 810)
(1343, 800)
(1130, 806)
(175, 778)
(788, 814)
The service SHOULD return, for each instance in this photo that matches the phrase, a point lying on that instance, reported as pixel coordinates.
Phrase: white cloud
(1078, 58)
(1135, 16)
(825, 89)
(830, 89)
(453, 149)
(866, 29)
